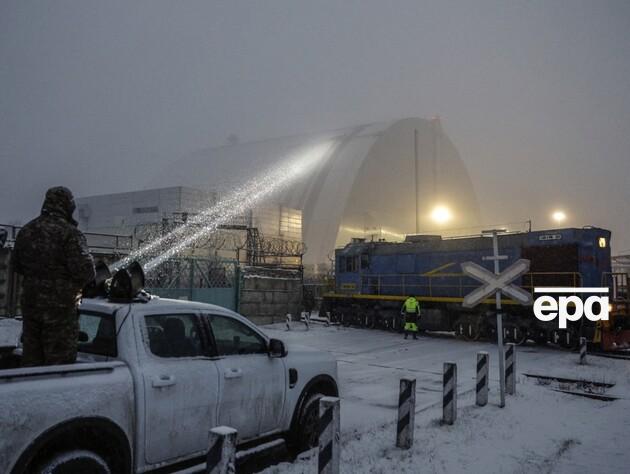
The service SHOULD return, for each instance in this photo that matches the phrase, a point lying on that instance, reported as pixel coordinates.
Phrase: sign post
(496, 257)
(497, 283)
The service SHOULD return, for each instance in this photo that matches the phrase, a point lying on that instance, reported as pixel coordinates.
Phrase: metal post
(510, 369)
(449, 393)
(415, 177)
(582, 351)
(436, 143)
(328, 458)
(221, 457)
(288, 321)
(495, 248)
(327, 318)
(191, 276)
(406, 413)
(306, 319)
(237, 286)
(483, 359)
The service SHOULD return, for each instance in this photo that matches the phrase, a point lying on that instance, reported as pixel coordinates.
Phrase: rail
(96, 241)
(452, 284)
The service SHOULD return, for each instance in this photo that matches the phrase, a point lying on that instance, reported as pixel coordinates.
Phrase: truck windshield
(97, 334)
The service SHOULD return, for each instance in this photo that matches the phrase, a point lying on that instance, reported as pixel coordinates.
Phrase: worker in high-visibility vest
(410, 310)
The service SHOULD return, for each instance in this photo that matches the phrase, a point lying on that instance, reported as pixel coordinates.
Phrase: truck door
(252, 384)
(181, 386)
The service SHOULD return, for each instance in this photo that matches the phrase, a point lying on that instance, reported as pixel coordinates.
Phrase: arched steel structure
(378, 180)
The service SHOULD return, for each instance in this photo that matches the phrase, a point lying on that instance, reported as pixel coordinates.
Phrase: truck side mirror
(277, 348)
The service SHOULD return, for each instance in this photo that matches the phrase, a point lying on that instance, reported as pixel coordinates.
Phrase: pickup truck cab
(152, 378)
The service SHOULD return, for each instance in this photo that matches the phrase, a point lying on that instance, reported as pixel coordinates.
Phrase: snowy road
(539, 429)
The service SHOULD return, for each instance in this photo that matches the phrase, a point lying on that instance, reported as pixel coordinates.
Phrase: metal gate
(208, 280)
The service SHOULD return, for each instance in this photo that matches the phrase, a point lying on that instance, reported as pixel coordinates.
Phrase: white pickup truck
(152, 378)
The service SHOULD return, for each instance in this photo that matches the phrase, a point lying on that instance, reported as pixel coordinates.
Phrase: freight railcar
(372, 279)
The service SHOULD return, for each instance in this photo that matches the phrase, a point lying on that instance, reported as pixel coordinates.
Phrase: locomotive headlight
(441, 214)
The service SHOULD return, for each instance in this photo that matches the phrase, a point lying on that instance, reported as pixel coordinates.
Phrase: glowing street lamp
(559, 216)
(441, 214)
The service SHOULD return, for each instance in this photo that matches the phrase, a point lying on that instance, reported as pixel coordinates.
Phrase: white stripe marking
(568, 289)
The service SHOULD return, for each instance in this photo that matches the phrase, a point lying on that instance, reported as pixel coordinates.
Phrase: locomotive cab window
(348, 264)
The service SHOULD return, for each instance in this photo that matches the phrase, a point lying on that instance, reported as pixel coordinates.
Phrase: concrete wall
(266, 296)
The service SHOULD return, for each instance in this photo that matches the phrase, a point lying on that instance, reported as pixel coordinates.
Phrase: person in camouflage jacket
(52, 255)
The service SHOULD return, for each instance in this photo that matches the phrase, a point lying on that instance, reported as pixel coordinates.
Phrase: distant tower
(437, 133)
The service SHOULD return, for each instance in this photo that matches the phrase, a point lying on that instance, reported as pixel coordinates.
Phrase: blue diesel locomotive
(372, 279)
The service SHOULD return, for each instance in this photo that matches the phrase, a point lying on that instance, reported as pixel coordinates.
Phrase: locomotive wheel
(568, 338)
(515, 334)
(471, 330)
(386, 324)
(541, 338)
(394, 324)
(359, 320)
(459, 329)
(369, 321)
(345, 320)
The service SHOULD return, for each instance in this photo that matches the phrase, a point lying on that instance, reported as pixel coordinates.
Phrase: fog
(98, 95)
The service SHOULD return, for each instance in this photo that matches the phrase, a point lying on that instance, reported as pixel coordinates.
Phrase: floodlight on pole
(559, 216)
(441, 214)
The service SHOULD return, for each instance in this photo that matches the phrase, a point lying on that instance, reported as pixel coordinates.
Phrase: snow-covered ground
(539, 430)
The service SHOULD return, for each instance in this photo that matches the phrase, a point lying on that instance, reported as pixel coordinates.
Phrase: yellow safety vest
(411, 305)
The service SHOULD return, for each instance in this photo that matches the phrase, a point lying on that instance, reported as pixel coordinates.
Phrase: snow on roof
(104, 305)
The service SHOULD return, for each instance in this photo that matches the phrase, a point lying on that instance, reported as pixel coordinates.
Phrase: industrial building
(122, 213)
(378, 181)
(147, 214)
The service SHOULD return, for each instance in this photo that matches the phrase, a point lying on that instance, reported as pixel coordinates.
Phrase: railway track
(610, 355)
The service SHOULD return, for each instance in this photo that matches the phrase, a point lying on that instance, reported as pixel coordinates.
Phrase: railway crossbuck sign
(493, 283)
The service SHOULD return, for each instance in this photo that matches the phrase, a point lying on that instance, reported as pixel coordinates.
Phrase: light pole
(415, 178)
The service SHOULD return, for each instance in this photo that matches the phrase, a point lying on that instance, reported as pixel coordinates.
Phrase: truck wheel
(74, 461)
(307, 435)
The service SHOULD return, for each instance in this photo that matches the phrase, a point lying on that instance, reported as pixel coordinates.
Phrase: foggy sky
(535, 95)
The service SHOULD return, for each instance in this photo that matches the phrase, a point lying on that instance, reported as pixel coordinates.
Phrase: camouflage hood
(59, 202)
